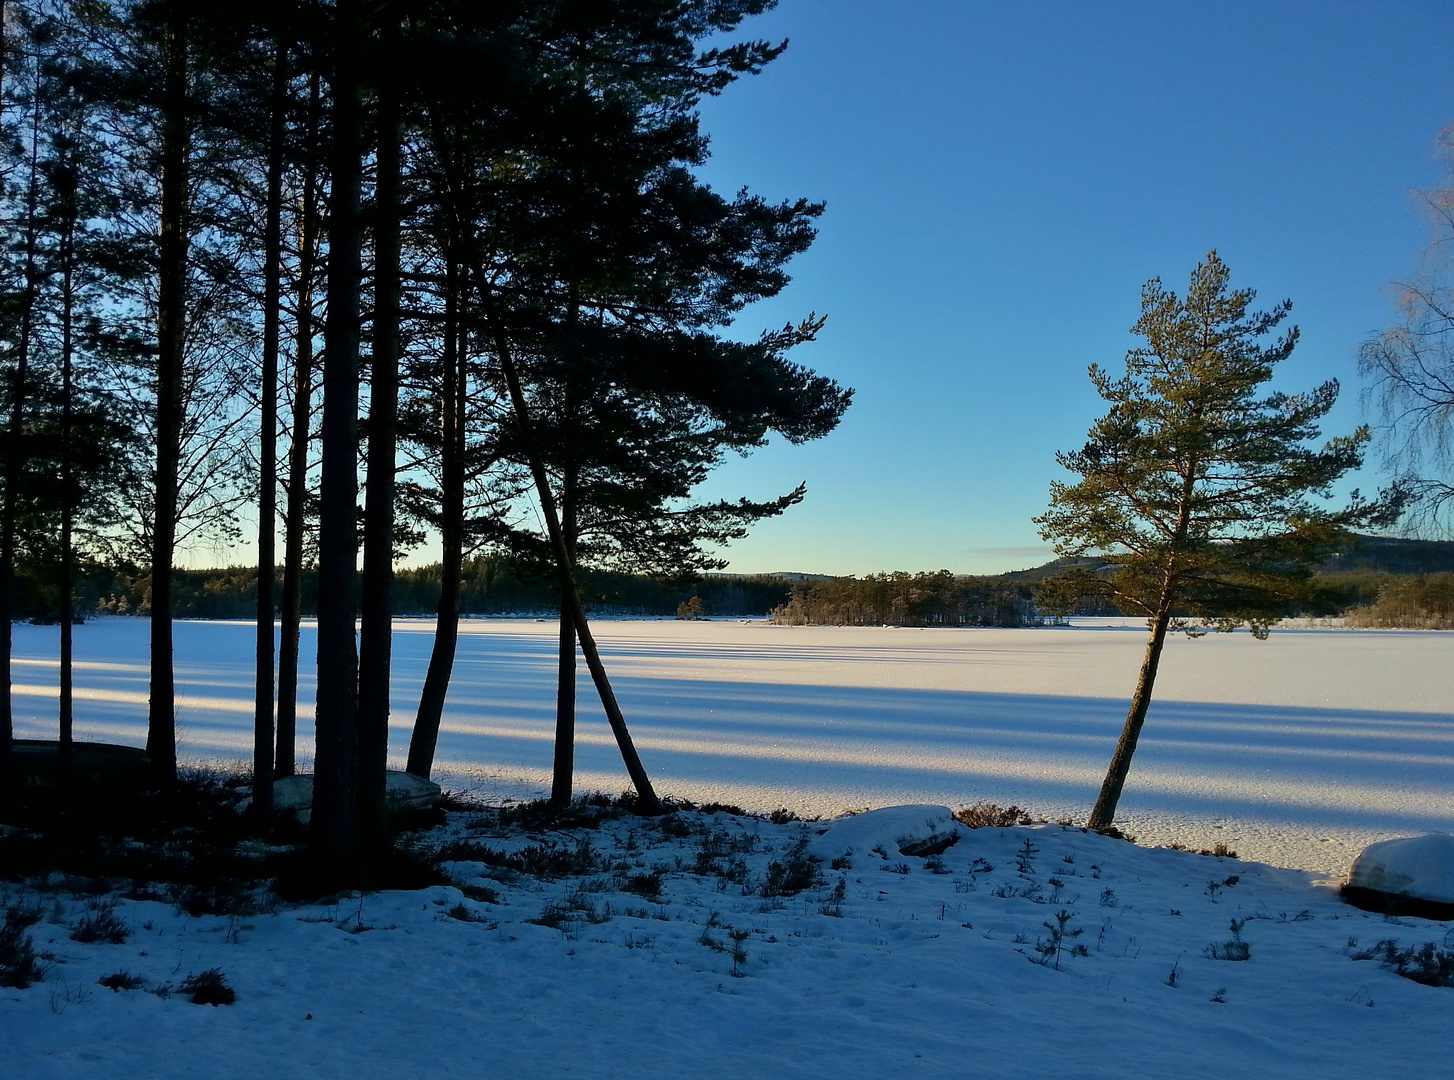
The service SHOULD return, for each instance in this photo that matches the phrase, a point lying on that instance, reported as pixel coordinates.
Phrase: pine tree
(1200, 492)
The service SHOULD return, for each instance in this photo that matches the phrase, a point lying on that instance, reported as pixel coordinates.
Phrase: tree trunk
(425, 738)
(161, 736)
(66, 197)
(1105, 809)
(267, 511)
(290, 615)
(646, 794)
(376, 623)
(563, 777)
(565, 710)
(16, 455)
(334, 823)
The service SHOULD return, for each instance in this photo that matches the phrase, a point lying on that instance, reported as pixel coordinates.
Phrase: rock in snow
(908, 830)
(294, 794)
(1419, 867)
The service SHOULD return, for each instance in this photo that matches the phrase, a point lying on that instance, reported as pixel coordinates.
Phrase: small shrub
(544, 861)
(19, 966)
(739, 951)
(102, 924)
(1051, 948)
(208, 988)
(122, 980)
(723, 808)
(1428, 963)
(987, 815)
(835, 905)
(1235, 949)
(575, 908)
(794, 874)
(464, 914)
(482, 893)
(782, 816)
(646, 885)
(1025, 857)
(673, 826)
(580, 813)
(1213, 887)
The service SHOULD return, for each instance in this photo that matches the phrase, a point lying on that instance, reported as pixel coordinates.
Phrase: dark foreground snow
(917, 968)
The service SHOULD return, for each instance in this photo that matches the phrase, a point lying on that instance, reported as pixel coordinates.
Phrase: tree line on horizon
(1348, 584)
(378, 269)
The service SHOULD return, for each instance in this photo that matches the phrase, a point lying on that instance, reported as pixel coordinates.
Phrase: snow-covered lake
(1295, 751)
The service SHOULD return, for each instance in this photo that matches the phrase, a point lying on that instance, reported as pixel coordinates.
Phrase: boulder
(94, 765)
(897, 830)
(402, 791)
(1412, 875)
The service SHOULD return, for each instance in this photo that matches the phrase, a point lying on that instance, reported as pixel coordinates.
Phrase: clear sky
(1001, 179)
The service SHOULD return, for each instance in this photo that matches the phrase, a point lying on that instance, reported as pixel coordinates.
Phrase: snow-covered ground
(1188, 966)
(1296, 751)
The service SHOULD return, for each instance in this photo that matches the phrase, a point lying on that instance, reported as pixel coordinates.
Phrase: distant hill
(1394, 555)
(1370, 554)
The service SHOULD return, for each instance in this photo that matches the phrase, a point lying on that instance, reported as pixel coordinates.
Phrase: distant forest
(1381, 582)
(489, 585)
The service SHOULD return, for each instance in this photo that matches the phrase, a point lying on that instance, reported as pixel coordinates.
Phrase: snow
(1419, 866)
(1298, 751)
(886, 830)
(912, 973)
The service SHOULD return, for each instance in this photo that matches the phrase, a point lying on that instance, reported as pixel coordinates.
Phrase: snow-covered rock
(1420, 867)
(909, 830)
(402, 791)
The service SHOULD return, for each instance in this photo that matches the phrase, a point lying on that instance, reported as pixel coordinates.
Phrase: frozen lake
(1297, 750)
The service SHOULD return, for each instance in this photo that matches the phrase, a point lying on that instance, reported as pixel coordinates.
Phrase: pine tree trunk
(376, 623)
(1105, 809)
(16, 456)
(67, 200)
(563, 778)
(290, 614)
(334, 824)
(425, 738)
(262, 750)
(161, 736)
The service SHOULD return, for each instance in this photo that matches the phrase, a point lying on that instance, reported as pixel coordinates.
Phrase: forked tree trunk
(334, 824)
(425, 738)
(1104, 811)
(262, 748)
(376, 624)
(290, 614)
(161, 734)
(648, 803)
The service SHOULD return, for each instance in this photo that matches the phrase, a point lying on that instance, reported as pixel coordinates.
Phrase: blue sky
(1000, 181)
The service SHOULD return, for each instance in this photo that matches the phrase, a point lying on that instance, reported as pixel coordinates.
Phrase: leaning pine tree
(1197, 486)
